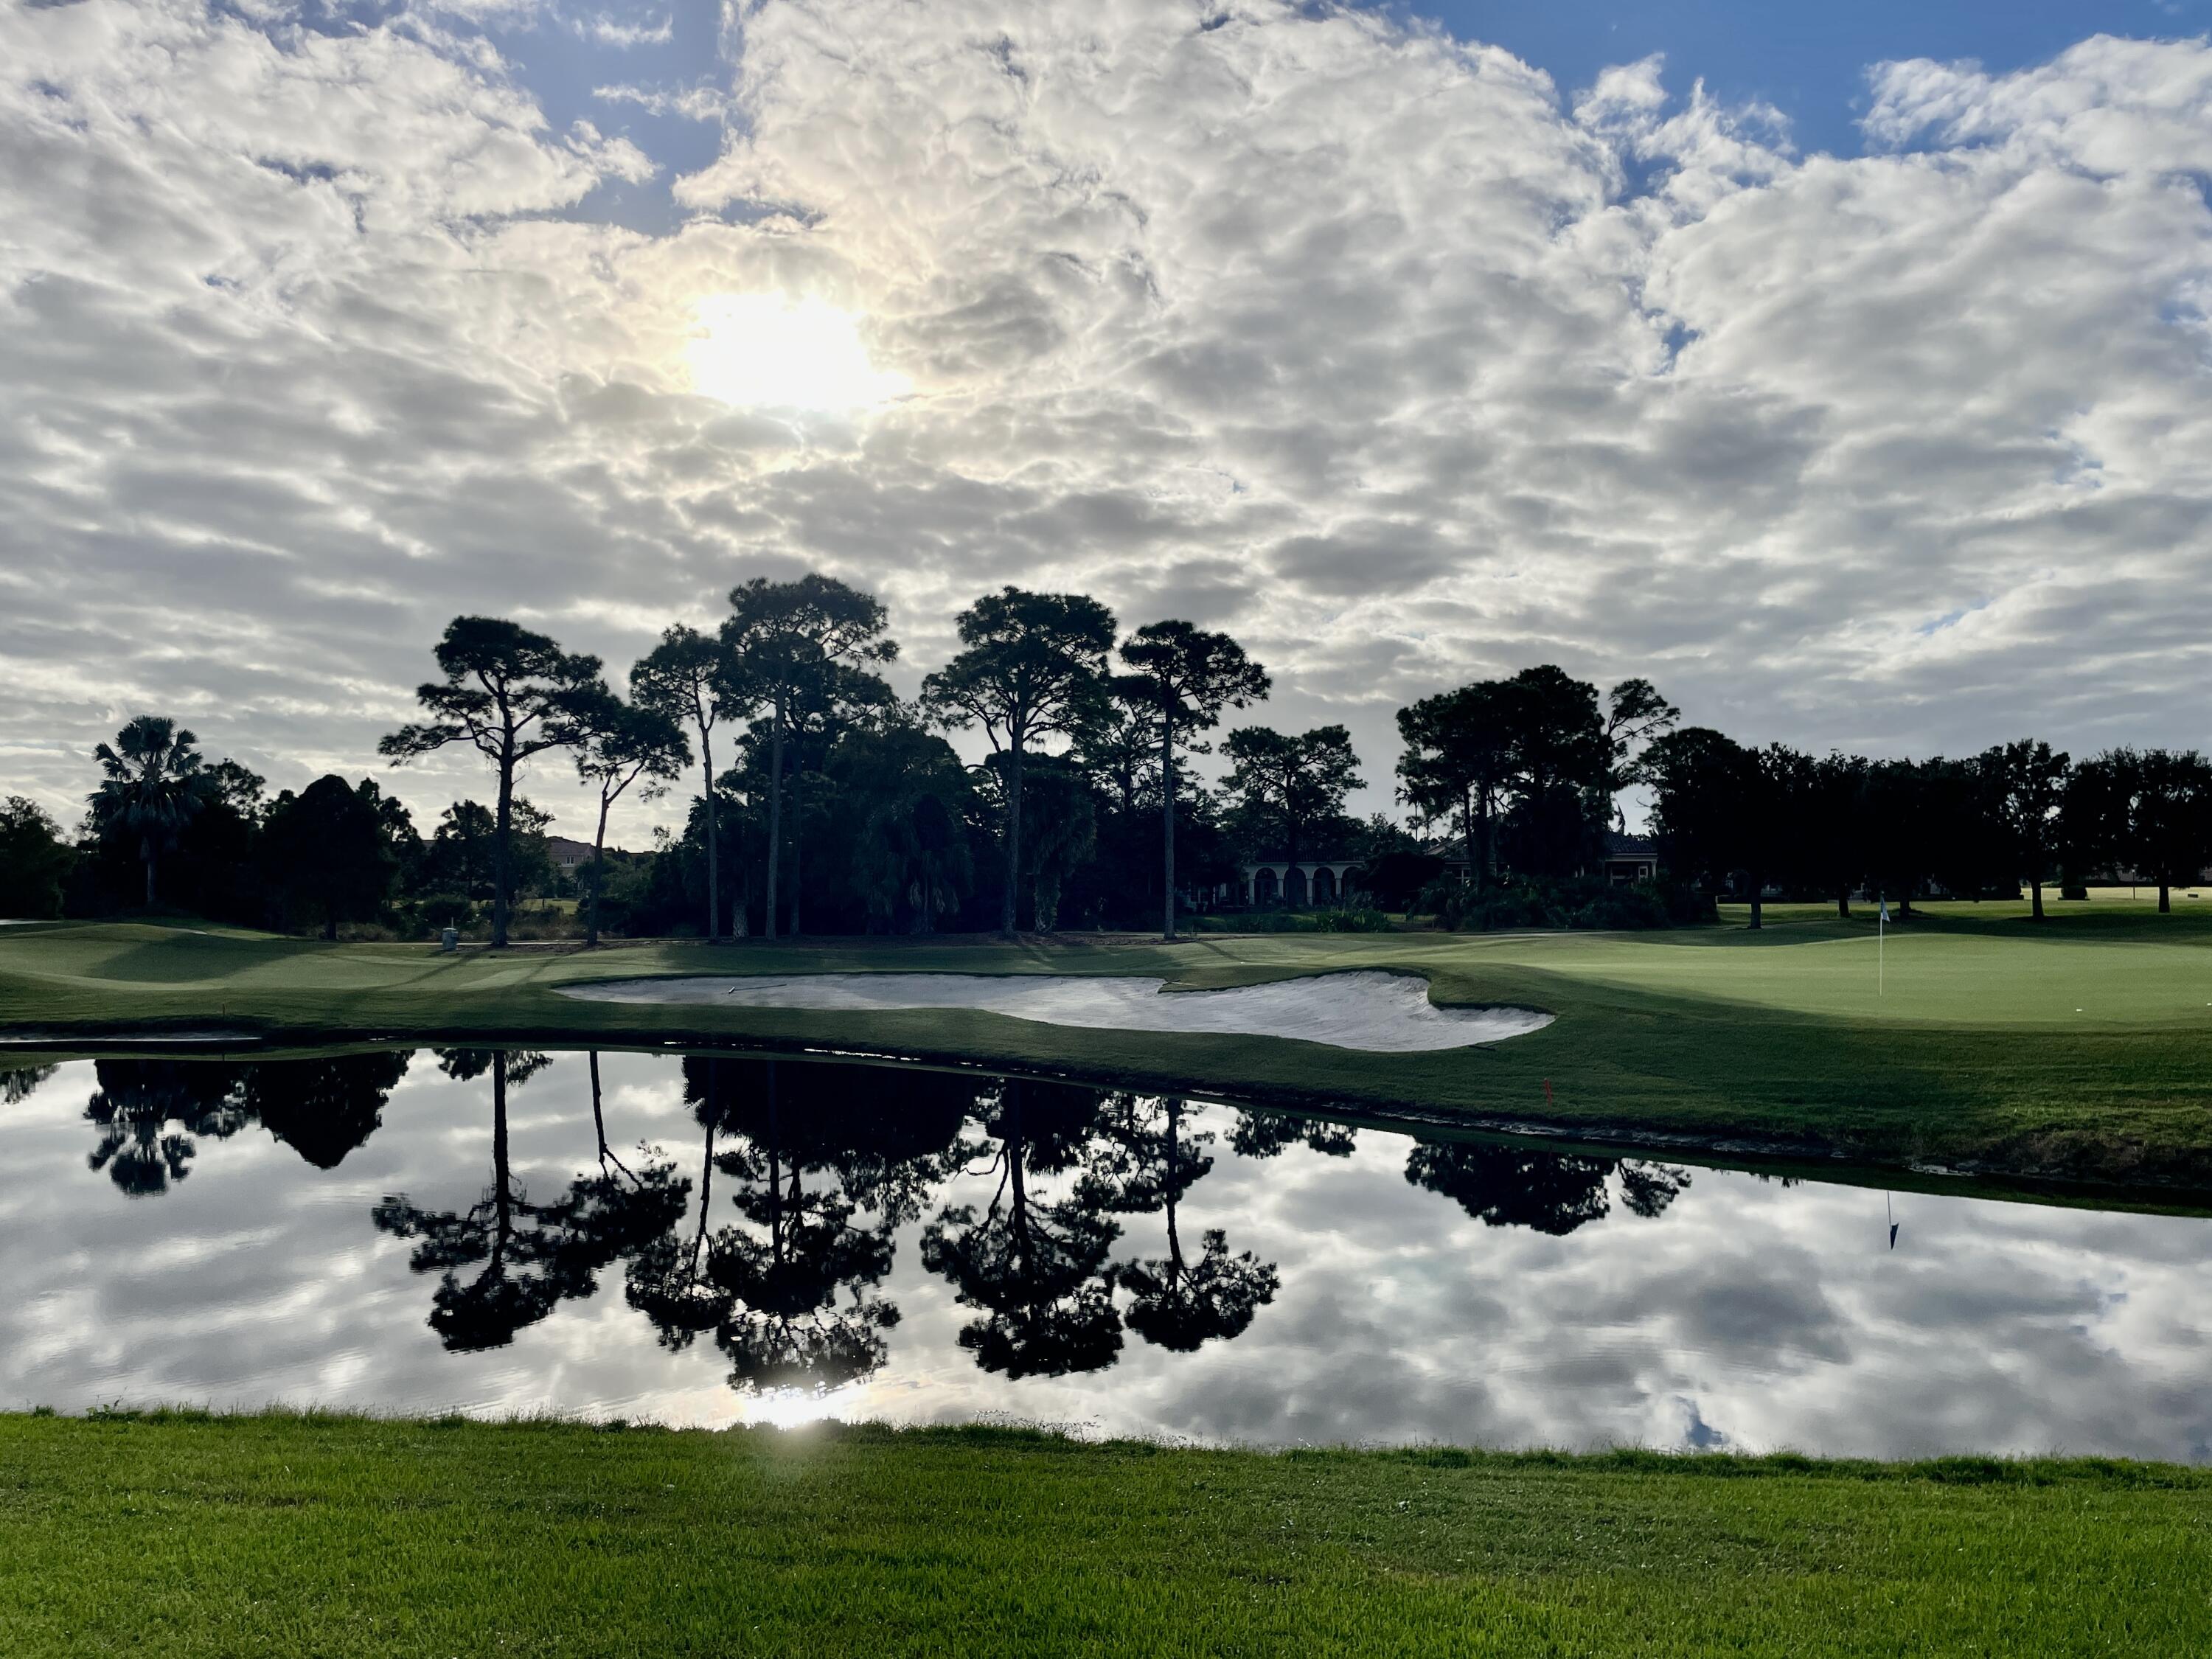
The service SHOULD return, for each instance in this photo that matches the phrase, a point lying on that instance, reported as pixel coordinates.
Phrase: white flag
(1885, 910)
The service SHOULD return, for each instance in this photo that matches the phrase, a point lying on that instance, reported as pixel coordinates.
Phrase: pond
(706, 1241)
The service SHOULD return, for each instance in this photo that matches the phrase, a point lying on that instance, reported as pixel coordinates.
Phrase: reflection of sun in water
(768, 351)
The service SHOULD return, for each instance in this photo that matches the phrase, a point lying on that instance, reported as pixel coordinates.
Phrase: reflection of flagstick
(1891, 1214)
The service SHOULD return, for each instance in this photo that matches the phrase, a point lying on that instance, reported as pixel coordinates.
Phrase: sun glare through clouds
(769, 351)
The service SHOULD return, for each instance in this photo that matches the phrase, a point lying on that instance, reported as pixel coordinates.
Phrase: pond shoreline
(1655, 1044)
(1810, 1159)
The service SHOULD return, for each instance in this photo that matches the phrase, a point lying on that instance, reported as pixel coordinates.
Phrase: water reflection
(533, 1256)
(789, 1236)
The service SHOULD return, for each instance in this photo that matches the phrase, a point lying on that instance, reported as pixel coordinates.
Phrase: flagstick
(1881, 948)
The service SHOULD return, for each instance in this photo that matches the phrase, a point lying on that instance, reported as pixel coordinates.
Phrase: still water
(701, 1240)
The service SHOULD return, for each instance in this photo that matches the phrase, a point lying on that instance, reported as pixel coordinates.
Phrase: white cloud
(612, 31)
(1345, 336)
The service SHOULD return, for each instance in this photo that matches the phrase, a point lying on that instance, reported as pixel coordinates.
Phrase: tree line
(818, 801)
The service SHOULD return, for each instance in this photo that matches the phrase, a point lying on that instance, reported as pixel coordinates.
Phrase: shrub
(1582, 901)
(446, 910)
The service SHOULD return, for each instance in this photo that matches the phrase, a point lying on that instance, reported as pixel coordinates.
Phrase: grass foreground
(1972, 1039)
(184, 1534)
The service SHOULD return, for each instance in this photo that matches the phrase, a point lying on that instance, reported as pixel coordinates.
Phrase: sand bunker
(1380, 1012)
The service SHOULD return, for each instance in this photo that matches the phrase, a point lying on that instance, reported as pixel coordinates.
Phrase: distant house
(1309, 882)
(569, 856)
(1629, 859)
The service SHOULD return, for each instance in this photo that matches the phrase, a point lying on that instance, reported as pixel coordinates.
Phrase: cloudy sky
(1848, 378)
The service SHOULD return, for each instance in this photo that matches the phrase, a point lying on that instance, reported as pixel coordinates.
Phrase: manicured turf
(327, 1537)
(2082, 1047)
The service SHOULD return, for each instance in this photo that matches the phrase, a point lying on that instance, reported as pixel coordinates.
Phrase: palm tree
(156, 782)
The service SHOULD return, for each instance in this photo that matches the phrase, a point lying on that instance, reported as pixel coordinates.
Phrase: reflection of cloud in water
(1745, 1313)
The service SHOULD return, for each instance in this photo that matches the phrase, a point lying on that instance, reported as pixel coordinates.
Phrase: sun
(770, 351)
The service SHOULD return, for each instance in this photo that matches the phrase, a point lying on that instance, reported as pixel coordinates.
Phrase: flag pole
(1881, 947)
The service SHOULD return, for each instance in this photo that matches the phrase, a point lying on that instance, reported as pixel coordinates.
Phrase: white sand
(1380, 1012)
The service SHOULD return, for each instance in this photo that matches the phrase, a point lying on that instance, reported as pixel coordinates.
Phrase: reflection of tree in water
(148, 1112)
(826, 1162)
(1147, 1162)
(17, 1082)
(1038, 1270)
(535, 1256)
(1551, 1193)
(1265, 1134)
(323, 1108)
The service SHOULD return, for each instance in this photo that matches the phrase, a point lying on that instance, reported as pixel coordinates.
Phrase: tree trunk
(775, 809)
(713, 850)
(598, 1114)
(1485, 870)
(502, 862)
(1007, 917)
(1753, 880)
(1467, 833)
(1291, 854)
(599, 875)
(331, 925)
(1167, 820)
(2035, 898)
(2165, 898)
(147, 853)
(1174, 1240)
(502, 1198)
(1843, 904)
(797, 842)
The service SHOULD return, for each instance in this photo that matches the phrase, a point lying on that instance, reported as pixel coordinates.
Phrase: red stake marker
(1548, 1091)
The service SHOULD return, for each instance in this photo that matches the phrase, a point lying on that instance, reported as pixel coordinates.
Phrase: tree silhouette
(139, 1101)
(1186, 676)
(1035, 1270)
(821, 1168)
(17, 1082)
(1551, 1193)
(686, 678)
(533, 1256)
(1458, 749)
(1286, 784)
(2030, 783)
(781, 641)
(629, 743)
(912, 849)
(509, 694)
(156, 783)
(327, 850)
(1033, 664)
(322, 1109)
(1148, 1163)
(667, 1279)
(1265, 1134)
(33, 860)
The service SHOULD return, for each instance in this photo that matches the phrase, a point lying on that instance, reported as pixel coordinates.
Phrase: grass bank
(334, 1536)
(2080, 1049)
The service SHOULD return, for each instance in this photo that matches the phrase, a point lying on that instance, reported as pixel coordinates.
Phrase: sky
(1843, 374)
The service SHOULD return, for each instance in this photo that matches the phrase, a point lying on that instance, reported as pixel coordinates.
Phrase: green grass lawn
(2080, 1049)
(292, 1536)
